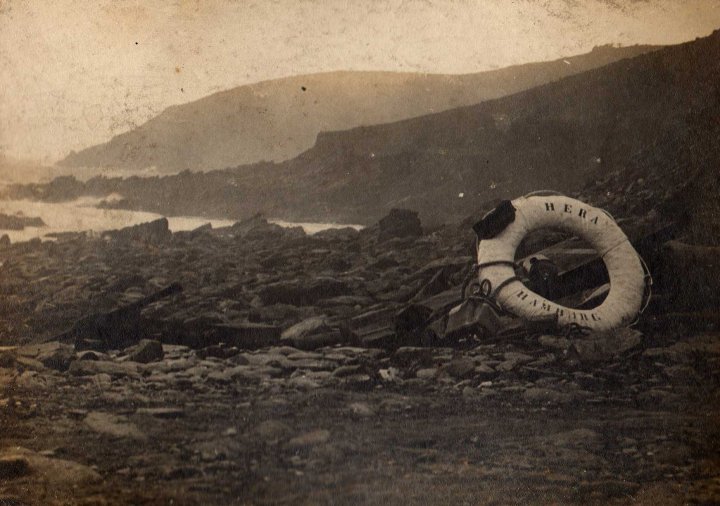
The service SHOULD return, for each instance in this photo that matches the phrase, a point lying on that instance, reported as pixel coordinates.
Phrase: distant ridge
(276, 120)
(640, 133)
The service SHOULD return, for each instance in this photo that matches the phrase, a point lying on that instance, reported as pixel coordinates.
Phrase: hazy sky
(75, 73)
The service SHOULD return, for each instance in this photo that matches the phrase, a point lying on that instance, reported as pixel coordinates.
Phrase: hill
(276, 120)
(638, 134)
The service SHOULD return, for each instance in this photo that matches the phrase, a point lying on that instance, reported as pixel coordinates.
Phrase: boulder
(400, 223)
(112, 425)
(317, 332)
(53, 355)
(51, 473)
(338, 234)
(151, 232)
(244, 335)
(146, 351)
(605, 346)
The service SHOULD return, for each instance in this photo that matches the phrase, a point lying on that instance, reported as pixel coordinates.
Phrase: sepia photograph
(370, 252)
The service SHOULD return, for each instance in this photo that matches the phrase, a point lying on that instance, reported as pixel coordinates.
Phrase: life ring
(625, 269)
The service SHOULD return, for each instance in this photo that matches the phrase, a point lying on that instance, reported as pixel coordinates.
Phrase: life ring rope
(628, 273)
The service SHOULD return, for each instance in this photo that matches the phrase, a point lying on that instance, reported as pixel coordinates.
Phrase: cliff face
(276, 120)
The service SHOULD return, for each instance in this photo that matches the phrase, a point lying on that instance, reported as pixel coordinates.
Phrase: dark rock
(605, 346)
(338, 234)
(400, 223)
(410, 355)
(460, 368)
(277, 314)
(166, 413)
(150, 232)
(384, 338)
(8, 222)
(13, 467)
(218, 351)
(245, 335)
(690, 276)
(299, 293)
(146, 351)
(4, 241)
(411, 321)
(115, 329)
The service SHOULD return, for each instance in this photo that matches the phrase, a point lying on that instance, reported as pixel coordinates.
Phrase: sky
(74, 73)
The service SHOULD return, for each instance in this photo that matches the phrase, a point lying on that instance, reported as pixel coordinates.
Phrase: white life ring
(625, 270)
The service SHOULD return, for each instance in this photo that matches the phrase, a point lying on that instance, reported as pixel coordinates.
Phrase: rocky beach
(256, 364)
(276, 253)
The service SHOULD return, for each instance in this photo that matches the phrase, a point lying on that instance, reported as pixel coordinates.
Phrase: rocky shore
(255, 364)
(15, 222)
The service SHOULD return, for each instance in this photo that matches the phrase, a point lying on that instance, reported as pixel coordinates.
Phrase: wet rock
(146, 351)
(112, 425)
(400, 223)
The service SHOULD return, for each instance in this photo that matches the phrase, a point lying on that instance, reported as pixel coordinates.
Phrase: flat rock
(166, 412)
(55, 472)
(53, 354)
(114, 369)
(312, 438)
(246, 336)
(460, 368)
(113, 425)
